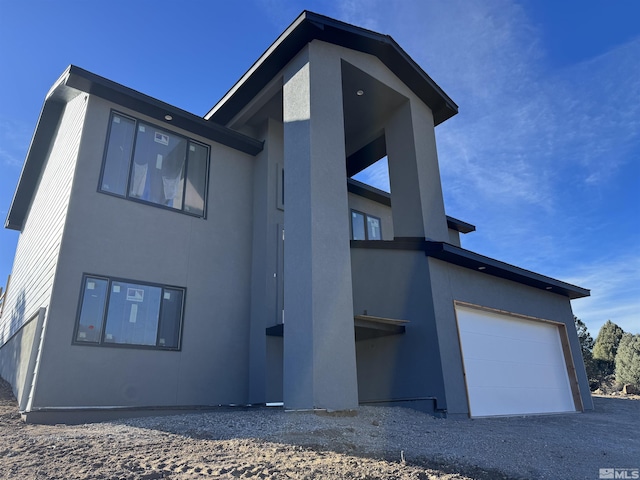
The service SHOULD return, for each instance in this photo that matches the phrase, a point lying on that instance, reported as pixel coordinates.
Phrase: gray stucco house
(153, 272)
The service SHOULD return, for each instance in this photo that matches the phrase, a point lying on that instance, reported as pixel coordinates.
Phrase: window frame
(366, 217)
(127, 195)
(105, 311)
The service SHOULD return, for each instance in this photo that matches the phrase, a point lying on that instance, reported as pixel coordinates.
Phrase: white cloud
(376, 175)
(615, 287)
(14, 139)
(535, 149)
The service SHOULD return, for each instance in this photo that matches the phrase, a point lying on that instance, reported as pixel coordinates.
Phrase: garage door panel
(491, 347)
(513, 366)
(520, 375)
(516, 401)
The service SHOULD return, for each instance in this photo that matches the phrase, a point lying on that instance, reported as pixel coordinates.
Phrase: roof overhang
(384, 198)
(311, 26)
(474, 261)
(75, 81)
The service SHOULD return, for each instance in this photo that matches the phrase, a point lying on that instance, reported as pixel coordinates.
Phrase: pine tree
(628, 360)
(586, 341)
(586, 346)
(607, 342)
(605, 348)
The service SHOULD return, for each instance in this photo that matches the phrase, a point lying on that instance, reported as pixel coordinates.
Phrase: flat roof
(474, 261)
(312, 26)
(75, 81)
(384, 198)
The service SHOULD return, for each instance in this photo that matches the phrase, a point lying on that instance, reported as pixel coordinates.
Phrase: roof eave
(310, 26)
(452, 254)
(93, 84)
(75, 81)
(490, 266)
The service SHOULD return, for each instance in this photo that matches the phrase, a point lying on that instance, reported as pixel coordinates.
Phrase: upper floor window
(365, 226)
(150, 164)
(120, 312)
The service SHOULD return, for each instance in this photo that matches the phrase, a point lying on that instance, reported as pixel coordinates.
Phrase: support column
(319, 343)
(414, 175)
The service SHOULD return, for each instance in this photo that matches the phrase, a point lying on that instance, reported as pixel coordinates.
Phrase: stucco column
(414, 175)
(319, 344)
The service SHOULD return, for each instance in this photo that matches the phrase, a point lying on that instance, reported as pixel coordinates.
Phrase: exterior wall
(412, 156)
(362, 204)
(450, 282)
(15, 358)
(267, 284)
(36, 258)
(319, 352)
(111, 236)
(395, 284)
(454, 237)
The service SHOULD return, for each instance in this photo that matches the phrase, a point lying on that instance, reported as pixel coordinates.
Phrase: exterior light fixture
(548, 288)
(168, 117)
(482, 268)
(360, 93)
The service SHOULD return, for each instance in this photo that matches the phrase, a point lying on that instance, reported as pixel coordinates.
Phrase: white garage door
(513, 366)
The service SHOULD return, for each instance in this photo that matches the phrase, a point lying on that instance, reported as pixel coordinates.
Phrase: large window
(150, 164)
(365, 227)
(120, 312)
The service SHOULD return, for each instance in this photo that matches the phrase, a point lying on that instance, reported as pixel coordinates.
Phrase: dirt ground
(378, 443)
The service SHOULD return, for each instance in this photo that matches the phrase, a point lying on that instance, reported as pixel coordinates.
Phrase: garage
(513, 365)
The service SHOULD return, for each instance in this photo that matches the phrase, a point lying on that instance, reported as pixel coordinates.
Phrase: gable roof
(312, 26)
(75, 81)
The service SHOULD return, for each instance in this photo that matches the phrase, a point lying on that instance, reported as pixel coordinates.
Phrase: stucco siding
(39, 242)
(362, 204)
(395, 284)
(209, 257)
(452, 283)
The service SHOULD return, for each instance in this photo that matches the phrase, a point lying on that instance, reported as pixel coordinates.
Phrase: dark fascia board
(465, 258)
(93, 84)
(459, 225)
(312, 26)
(474, 261)
(75, 81)
(380, 196)
(367, 191)
(38, 149)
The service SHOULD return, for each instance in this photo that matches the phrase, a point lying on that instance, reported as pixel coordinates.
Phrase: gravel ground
(377, 443)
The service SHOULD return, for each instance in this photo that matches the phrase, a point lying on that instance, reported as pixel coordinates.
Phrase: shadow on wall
(10, 352)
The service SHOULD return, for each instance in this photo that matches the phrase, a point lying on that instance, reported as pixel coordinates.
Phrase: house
(151, 271)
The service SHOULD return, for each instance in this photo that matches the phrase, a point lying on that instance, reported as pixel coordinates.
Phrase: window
(365, 227)
(150, 164)
(121, 312)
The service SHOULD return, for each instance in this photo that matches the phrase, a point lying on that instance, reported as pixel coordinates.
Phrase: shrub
(606, 346)
(628, 360)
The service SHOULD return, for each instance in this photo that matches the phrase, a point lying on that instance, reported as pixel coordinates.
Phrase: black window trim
(126, 196)
(366, 228)
(102, 343)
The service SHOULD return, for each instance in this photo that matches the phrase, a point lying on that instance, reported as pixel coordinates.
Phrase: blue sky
(543, 157)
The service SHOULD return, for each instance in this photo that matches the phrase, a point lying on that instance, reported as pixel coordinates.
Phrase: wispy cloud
(536, 148)
(13, 138)
(615, 286)
(361, 13)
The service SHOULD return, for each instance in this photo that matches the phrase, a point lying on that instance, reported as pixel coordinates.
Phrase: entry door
(513, 366)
